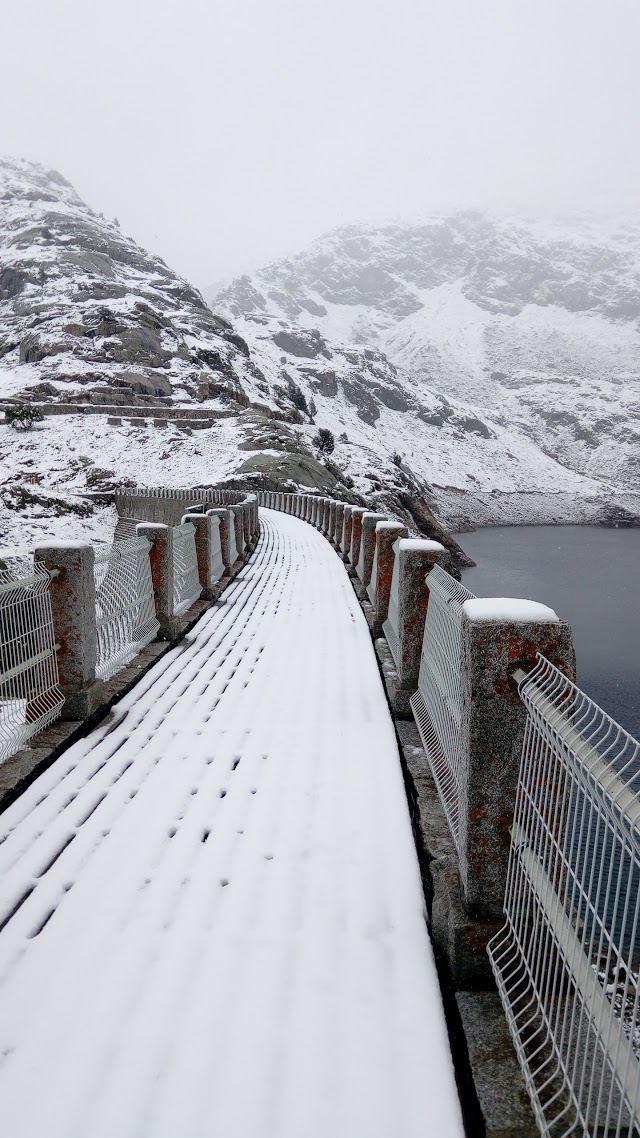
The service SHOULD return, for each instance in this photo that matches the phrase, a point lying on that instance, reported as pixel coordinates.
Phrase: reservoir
(591, 577)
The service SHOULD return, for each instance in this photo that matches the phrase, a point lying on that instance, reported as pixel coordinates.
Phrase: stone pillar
(326, 516)
(208, 551)
(404, 626)
(331, 529)
(307, 504)
(498, 635)
(379, 588)
(356, 534)
(238, 525)
(224, 528)
(315, 506)
(161, 558)
(347, 526)
(73, 604)
(337, 533)
(367, 545)
(247, 527)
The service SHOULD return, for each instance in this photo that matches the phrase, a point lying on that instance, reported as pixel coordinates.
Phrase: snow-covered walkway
(210, 909)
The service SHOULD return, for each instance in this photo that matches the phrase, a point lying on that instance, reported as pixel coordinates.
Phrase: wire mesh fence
(30, 696)
(125, 607)
(437, 704)
(566, 961)
(186, 583)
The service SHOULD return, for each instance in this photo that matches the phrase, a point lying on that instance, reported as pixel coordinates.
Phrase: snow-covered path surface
(211, 913)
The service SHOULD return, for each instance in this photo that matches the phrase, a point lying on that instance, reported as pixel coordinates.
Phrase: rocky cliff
(500, 358)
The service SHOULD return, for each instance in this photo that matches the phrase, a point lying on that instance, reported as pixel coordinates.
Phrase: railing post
(496, 640)
(238, 525)
(356, 534)
(339, 522)
(332, 520)
(347, 525)
(208, 551)
(226, 527)
(379, 588)
(73, 605)
(161, 558)
(367, 545)
(404, 626)
(245, 513)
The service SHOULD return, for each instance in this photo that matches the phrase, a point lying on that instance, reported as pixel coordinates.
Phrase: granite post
(225, 529)
(498, 636)
(208, 551)
(73, 604)
(161, 557)
(356, 534)
(367, 545)
(379, 587)
(408, 601)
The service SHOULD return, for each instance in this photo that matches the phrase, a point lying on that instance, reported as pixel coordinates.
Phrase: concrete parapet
(115, 420)
(367, 545)
(408, 601)
(73, 604)
(356, 533)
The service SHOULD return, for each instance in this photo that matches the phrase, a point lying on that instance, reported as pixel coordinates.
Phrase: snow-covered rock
(495, 356)
(454, 379)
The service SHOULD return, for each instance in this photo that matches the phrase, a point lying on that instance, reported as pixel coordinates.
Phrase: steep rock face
(84, 309)
(522, 337)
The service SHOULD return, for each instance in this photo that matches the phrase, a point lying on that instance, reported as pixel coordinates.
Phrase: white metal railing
(437, 704)
(125, 606)
(30, 696)
(566, 962)
(186, 583)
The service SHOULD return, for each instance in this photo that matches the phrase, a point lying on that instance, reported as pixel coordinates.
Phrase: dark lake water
(591, 577)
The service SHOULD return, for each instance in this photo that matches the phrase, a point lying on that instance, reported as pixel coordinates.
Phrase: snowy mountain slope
(85, 310)
(87, 316)
(531, 327)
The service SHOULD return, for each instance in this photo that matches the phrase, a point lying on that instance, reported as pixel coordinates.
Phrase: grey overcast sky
(223, 134)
